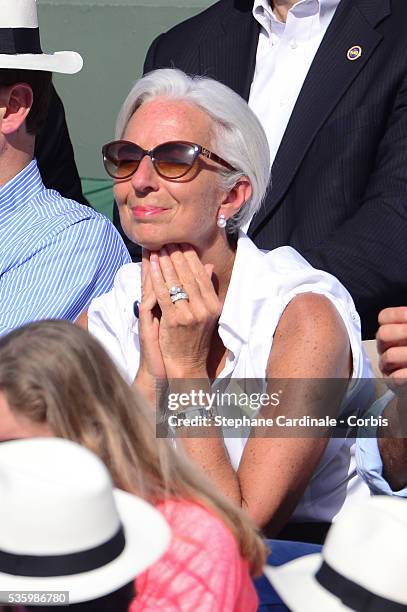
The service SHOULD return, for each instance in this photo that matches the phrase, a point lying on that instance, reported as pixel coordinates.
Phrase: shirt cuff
(368, 459)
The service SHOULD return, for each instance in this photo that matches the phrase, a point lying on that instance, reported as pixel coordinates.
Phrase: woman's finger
(159, 286)
(146, 284)
(180, 275)
(203, 276)
(168, 271)
(209, 269)
(180, 269)
(148, 296)
(198, 270)
(145, 267)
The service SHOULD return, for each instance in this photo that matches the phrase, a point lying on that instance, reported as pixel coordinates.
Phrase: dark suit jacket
(339, 181)
(54, 153)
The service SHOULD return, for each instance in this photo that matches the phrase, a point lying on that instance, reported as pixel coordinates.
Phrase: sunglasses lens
(121, 159)
(174, 159)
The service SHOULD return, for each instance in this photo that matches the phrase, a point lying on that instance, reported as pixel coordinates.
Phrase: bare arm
(392, 347)
(310, 342)
(393, 449)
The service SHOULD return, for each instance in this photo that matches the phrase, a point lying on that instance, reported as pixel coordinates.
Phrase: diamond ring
(174, 290)
(181, 295)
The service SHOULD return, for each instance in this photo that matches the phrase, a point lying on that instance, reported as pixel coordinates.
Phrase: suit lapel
(230, 54)
(329, 77)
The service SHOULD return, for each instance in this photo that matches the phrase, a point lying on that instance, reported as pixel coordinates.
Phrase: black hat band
(34, 566)
(15, 41)
(352, 594)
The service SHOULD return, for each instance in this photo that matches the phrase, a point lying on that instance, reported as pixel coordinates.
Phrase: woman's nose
(145, 178)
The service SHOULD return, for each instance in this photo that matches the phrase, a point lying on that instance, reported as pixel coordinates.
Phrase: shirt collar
(245, 290)
(21, 188)
(263, 13)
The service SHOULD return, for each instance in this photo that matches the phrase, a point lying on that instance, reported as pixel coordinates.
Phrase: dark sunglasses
(171, 160)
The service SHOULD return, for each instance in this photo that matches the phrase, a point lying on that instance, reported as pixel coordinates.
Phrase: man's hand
(392, 348)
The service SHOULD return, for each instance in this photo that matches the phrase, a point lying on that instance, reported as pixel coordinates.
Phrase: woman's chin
(148, 243)
(156, 242)
(149, 238)
(151, 243)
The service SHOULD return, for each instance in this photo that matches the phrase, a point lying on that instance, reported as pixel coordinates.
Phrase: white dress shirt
(261, 286)
(284, 55)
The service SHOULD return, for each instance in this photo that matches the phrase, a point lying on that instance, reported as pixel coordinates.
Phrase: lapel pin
(354, 53)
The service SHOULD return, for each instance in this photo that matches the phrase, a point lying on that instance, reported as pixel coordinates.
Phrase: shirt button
(282, 102)
(293, 44)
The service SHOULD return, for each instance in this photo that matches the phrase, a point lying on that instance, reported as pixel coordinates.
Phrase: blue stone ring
(136, 309)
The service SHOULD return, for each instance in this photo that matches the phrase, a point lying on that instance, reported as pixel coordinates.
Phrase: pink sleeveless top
(202, 569)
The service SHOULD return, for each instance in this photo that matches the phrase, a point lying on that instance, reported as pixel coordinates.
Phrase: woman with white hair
(191, 167)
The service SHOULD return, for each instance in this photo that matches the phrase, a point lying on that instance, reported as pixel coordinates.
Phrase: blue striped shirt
(55, 254)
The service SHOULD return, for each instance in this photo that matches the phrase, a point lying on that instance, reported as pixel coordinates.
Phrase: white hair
(239, 136)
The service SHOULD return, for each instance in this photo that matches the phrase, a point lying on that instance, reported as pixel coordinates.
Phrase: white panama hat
(363, 564)
(20, 46)
(63, 527)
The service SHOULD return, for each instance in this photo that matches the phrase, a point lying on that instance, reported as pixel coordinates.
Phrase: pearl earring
(221, 222)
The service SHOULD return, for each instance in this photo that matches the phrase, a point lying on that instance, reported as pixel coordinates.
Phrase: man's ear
(16, 102)
(236, 197)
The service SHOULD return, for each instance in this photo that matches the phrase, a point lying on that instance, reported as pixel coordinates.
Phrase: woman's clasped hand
(177, 342)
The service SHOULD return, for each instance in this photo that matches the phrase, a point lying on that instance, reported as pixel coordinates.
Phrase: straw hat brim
(147, 538)
(297, 586)
(64, 62)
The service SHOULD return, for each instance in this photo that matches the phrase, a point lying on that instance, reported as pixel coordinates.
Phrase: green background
(112, 37)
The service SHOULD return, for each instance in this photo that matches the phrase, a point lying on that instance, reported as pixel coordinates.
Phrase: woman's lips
(147, 211)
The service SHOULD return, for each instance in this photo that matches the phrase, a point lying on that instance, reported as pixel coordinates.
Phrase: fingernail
(154, 260)
(136, 309)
